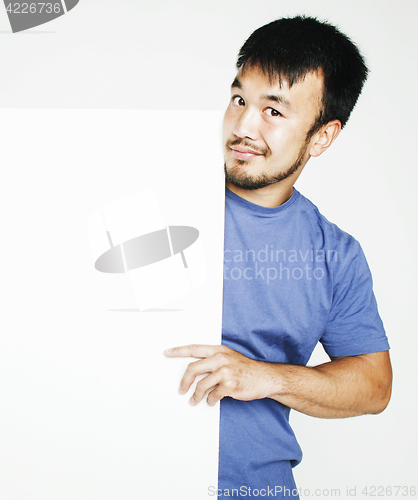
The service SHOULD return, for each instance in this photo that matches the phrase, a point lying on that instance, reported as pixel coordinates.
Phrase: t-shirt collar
(260, 209)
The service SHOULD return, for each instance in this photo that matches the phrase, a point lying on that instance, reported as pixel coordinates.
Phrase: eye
(238, 100)
(273, 112)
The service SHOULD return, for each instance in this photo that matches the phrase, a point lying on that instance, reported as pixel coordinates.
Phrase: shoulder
(342, 249)
(333, 235)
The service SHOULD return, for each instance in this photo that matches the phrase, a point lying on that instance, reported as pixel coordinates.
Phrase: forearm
(344, 387)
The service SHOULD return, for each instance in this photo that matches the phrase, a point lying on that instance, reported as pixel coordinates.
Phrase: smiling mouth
(241, 153)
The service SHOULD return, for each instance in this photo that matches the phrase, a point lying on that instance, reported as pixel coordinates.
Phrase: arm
(343, 387)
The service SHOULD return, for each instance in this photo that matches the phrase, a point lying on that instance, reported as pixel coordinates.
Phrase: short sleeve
(354, 326)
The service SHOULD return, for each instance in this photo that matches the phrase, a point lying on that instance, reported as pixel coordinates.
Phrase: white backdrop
(180, 55)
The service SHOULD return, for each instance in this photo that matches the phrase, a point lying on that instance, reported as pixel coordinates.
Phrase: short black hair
(289, 48)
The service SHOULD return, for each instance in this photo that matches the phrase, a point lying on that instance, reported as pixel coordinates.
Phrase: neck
(270, 196)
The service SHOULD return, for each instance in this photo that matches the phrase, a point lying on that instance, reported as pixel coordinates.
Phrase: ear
(323, 139)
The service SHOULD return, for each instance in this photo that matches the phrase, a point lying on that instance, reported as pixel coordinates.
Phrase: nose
(246, 125)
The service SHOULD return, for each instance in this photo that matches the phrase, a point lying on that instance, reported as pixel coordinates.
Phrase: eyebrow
(279, 99)
(268, 97)
(236, 83)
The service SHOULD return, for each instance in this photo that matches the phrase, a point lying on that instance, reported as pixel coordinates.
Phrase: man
(291, 278)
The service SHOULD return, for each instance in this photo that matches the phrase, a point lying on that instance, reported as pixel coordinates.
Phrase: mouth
(242, 153)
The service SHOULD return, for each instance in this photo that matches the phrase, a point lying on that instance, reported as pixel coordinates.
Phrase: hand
(229, 373)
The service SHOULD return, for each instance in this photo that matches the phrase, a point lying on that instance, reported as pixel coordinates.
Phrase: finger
(193, 351)
(203, 386)
(216, 395)
(207, 365)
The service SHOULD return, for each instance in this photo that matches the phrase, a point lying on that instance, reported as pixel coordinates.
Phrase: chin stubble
(244, 181)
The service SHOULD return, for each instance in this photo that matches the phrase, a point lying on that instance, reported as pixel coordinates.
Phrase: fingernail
(168, 351)
(192, 401)
(181, 390)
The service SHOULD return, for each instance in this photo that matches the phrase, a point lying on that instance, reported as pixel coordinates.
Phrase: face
(265, 128)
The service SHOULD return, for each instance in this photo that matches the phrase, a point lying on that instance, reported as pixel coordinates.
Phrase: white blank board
(89, 403)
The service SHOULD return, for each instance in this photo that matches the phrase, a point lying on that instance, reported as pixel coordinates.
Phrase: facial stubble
(237, 177)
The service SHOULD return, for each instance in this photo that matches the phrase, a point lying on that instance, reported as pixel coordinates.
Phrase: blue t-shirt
(291, 279)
